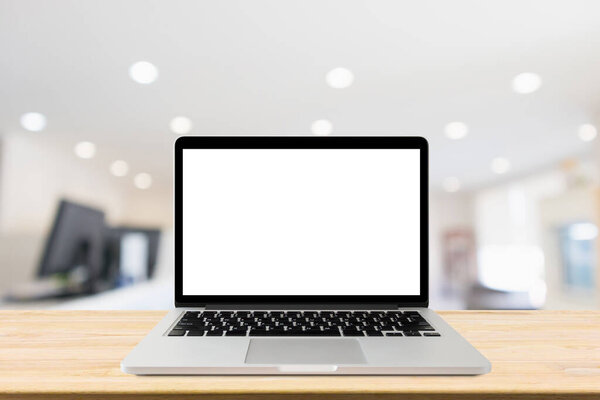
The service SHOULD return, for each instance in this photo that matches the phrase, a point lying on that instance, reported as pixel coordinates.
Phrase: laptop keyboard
(303, 323)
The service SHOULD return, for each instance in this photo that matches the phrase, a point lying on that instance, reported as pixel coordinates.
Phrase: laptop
(302, 255)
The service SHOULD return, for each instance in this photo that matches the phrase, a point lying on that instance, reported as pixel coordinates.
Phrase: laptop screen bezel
(303, 142)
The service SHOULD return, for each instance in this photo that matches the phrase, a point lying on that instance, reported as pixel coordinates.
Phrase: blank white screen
(301, 222)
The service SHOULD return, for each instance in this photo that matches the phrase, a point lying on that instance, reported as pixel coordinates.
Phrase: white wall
(143, 209)
(36, 170)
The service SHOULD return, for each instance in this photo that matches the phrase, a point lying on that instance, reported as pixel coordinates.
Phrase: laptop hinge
(299, 306)
(424, 304)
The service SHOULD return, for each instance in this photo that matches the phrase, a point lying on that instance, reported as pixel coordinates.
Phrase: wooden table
(76, 355)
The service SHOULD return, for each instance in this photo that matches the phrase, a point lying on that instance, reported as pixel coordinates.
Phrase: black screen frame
(303, 142)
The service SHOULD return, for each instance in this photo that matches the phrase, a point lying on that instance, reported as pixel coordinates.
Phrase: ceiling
(258, 67)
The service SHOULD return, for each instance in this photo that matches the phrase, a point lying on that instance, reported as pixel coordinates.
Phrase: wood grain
(76, 355)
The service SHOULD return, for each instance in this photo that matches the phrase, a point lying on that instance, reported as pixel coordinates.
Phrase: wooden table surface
(74, 354)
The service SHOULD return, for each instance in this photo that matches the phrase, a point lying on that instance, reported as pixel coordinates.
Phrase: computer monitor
(76, 242)
(135, 251)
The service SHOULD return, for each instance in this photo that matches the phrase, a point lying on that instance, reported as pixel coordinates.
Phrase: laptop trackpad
(305, 351)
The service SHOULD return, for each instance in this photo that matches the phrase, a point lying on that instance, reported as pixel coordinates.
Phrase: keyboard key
(191, 314)
(313, 333)
(374, 333)
(353, 332)
(394, 334)
(196, 333)
(177, 333)
(258, 332)
(259, 314)
(431, 334)
(179, 328)
(406, 328)
(236, 333)
(412, 333)
(214, 333)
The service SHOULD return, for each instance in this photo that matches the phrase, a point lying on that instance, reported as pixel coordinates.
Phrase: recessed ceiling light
(526, 83)
(339, 78)
(33, 121)
(119, 168)
(181, 125)
(500, 165)
(451, 184)
(587, 132)
(143, 72)
(85, 150)
(321, 127)
(456, 130)
(142, 180)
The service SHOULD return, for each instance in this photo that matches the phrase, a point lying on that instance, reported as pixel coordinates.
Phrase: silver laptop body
(302, 255)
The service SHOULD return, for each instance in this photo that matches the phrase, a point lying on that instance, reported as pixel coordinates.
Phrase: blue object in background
(578, 248)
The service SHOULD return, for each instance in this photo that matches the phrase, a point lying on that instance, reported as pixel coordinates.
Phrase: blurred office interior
(94, 93)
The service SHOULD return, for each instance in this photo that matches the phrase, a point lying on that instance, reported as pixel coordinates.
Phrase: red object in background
(459, 261)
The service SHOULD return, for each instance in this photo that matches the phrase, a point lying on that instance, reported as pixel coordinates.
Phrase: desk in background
(76, 355)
